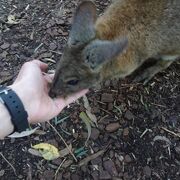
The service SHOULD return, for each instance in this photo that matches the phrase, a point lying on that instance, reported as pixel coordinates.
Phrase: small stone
(110, 167)
(52, 46)
(104, 175)
(127, 159)
(112, 127)
(66, 175)
(107, 98)
(126, 132)
(110, 106)
(75, 177)
(177, 149)
(67, 163)
(48, 174)
(147, 171)
(46, 55)
(96, 161)
(95, 175)
(4, 54)
(94, 133)
(57, 161)
(2, 172)
(5, 46)
(20, 176)
(65, 33)
(75, 135)
(60, 21)
(53, 142)
(70, 19)
(129, 115)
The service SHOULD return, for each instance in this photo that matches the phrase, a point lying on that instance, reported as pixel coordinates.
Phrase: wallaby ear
(82, 29)
(99, 52)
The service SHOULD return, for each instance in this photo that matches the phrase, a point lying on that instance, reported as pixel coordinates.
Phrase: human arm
(32, 87)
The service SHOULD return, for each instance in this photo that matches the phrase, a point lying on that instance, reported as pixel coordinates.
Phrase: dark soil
(129, 115)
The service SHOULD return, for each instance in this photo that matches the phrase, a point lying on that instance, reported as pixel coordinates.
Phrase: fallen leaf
(49, 60)
(89, 158)
(62, 153)
(88, 110)
(34, 152)
(48, 151)
(162, 138)
(87, 121)
(12, 20)
(23, 134)
(81, 152)
(65, 152)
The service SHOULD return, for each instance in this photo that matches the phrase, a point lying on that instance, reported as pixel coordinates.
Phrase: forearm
(6, 126)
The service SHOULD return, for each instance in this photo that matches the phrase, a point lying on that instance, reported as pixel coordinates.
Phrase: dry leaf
(89, 158)
(34, 152)
(87, 121)
(23, 134)
(65, 151)
(12, 20)
(162, 138)
(88, 110)
(48, 151)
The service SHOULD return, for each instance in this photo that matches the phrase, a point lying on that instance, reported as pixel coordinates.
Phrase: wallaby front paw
(144, 77)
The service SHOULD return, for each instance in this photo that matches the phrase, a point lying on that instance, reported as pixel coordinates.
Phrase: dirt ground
(138, 133)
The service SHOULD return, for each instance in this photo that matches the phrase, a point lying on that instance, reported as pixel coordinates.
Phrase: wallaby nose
(52, 93)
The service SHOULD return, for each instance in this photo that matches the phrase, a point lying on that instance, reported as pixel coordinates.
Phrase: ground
(138, 126)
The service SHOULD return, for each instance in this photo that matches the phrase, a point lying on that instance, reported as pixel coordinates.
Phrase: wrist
(6, 126)
(25, 99)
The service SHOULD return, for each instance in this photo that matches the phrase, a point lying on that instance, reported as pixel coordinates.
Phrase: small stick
(38, 48)
(8, 163)
(55, 176)
(105, 111)
(63, 141)
(56, 52)
(158, 105)
(171, 132)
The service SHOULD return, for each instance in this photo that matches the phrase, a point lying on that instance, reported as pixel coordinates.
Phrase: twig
(63, 141)
(105, 111)
(36, 49)
(55, 176)
(158, 105)
(91, 157)
(8, 163)
(56, 52)
(171, 132)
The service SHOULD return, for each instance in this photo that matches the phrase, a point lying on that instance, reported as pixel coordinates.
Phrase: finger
(72, 98)
(60, 103)
(51, 76)
(48, 77)
(43, 66)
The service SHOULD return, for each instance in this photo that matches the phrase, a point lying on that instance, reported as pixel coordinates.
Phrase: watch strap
(19, 116)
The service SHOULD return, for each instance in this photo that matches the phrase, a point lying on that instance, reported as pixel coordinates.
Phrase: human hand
(32, 86)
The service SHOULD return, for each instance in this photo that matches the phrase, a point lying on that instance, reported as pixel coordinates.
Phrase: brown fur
(153, 31)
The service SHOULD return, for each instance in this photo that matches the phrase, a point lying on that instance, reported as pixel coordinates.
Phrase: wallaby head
(84, 55)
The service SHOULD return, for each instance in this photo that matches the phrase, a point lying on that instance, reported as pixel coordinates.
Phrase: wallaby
(118, 42)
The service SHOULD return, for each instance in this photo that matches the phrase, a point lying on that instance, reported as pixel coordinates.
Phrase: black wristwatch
(14, 105)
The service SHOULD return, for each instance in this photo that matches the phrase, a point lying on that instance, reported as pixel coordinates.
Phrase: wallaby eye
(73, 82)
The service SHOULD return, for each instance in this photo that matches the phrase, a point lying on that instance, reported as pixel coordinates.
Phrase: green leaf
(87, 122)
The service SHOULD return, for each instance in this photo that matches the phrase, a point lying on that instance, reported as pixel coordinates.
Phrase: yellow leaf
(48, 151)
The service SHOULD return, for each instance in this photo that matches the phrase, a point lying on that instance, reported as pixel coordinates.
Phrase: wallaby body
(95, 49)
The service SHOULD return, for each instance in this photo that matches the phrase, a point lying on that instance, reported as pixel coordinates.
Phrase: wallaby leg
(148, 73)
